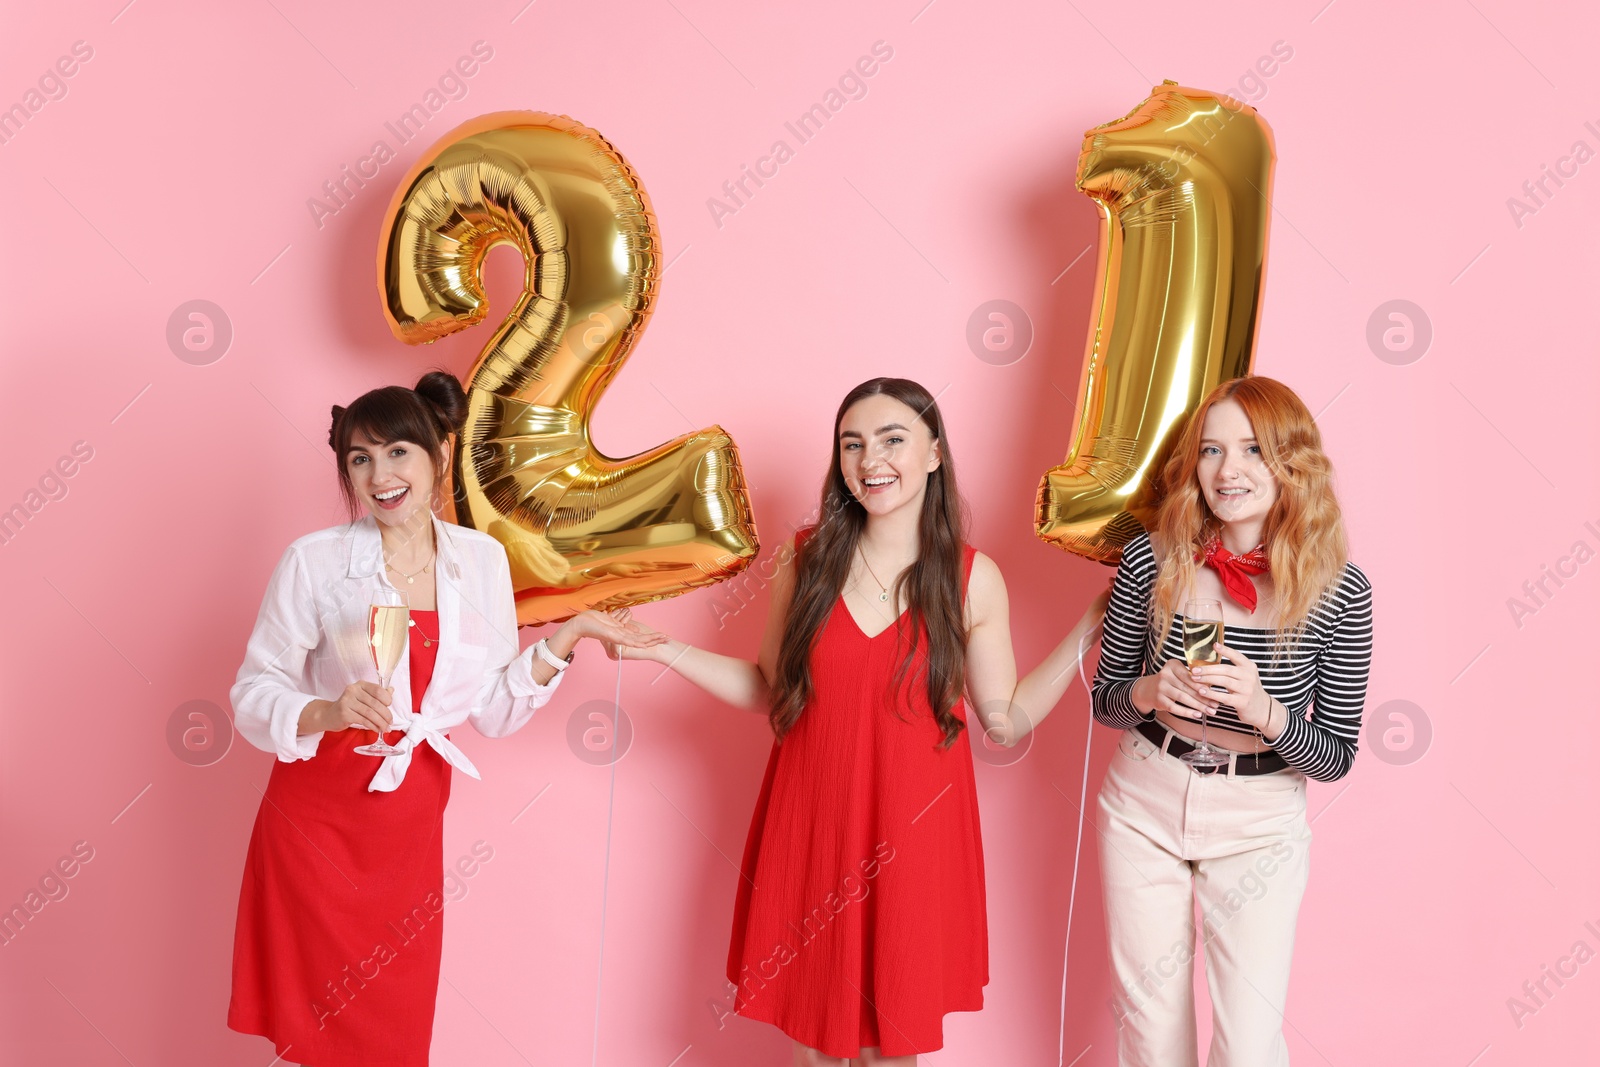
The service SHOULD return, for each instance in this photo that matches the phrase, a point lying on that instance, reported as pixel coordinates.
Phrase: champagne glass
(1202, 633)
(388, 619)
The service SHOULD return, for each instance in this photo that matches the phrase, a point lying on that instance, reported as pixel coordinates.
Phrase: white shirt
(310, 642)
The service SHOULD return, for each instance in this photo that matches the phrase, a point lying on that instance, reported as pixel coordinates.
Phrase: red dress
(336, 950)
(860, 916)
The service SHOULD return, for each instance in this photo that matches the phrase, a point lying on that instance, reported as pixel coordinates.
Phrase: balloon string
(1072, 898)
(605, 878)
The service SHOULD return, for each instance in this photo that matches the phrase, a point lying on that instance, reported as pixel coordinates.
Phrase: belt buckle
(1231, 767)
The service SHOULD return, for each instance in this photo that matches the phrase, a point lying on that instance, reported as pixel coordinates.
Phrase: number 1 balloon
(582, 530)
(1183, 183)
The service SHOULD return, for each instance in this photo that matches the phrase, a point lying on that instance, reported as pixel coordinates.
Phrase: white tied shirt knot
(418, 729)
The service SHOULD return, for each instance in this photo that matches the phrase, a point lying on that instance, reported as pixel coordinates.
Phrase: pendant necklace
(412, 577)
(427, 642)
(883, 596)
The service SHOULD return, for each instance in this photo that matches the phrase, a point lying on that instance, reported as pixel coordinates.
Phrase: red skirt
(341, 914)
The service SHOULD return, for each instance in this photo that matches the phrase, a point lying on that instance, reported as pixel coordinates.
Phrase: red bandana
(1235, 570)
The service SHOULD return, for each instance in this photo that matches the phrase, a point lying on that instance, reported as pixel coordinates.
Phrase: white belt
(418, 729)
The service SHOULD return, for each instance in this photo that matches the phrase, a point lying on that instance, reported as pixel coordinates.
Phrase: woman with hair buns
(1247, 521)
(337, 945)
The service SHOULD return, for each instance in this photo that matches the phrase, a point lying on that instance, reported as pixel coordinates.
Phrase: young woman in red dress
(860, 917)
(337, 945)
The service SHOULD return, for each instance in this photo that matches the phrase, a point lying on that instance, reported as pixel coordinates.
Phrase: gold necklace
(883, 596)
(427, 642)
(411, 578)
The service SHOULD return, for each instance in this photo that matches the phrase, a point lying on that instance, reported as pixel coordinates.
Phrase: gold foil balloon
(582, 530)
(1182, 183)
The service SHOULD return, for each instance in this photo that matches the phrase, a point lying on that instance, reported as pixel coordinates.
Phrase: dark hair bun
(333, 428)
(443, 392)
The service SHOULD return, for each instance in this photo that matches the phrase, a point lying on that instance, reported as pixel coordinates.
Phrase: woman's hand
(651, 650)
(1243, 684)
(363, 705)
(614, 629)
(1174, 691)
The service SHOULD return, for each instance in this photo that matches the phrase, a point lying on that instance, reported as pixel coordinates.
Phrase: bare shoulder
(983, 565)
(783, 564)
(987, 586)
(786, 554)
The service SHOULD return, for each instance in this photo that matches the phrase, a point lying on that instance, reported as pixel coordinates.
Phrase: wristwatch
(551, 658)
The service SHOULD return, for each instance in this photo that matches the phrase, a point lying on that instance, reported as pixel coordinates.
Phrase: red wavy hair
(1304, 531)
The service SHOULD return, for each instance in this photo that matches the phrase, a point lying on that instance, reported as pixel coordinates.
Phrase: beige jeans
(1240, 847)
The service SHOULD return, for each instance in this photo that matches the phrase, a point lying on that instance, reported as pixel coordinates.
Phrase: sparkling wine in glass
(1202, 633)
(388, 620)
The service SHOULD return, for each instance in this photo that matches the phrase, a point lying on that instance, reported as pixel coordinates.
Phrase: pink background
(178, 167)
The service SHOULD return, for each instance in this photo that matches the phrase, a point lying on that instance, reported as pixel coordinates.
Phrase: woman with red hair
(1246, 517)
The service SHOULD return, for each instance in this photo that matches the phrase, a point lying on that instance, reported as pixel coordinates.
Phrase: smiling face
(393, 480)
(1233, 476)
(886, 453)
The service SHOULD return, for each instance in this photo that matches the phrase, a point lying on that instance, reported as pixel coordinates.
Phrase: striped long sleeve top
(1326, 673)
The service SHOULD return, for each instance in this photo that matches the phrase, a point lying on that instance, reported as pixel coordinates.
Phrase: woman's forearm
(731, 680)
(1037, 694)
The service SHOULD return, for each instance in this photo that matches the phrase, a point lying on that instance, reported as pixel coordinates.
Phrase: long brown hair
(1304, 531)
(933, 582)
